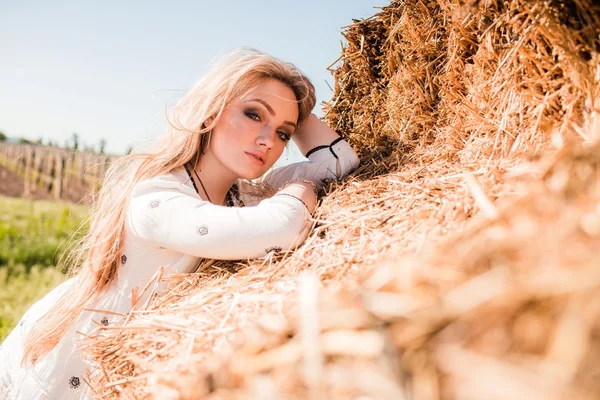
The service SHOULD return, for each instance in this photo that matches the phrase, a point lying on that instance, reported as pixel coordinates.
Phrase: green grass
(33, 232)
(21, 290)
(33, 235)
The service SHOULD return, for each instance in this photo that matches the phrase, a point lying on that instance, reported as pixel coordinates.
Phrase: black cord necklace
(203, 188)
(233, 194)
(191, 179)
(194, 183)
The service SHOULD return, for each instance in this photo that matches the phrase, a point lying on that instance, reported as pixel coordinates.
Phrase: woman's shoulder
(175, 180)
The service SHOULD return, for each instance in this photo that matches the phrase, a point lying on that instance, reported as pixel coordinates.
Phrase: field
(33, 237)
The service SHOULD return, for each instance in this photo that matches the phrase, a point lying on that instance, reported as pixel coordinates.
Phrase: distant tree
(22, 140)
(39, 141)
(3, 137)
(102, 145)
(75, 139)
(129, 150)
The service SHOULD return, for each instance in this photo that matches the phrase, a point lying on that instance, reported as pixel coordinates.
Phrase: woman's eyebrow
(271, 111)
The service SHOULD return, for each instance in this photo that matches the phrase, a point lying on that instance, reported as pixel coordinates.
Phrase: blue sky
(107, 69)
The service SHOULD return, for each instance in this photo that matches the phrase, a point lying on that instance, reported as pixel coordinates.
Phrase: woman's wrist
(302, 191)
(309, 209)
(302, 181)
(313, 132)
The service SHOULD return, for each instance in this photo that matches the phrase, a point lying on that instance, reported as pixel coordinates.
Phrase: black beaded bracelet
(324, 146)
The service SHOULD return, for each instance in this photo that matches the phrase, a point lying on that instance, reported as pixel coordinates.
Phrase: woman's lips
(255, 159)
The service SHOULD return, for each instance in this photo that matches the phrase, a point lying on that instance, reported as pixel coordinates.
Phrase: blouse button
(275, 249)
(104, 321)
(154, 203)
(123, 259)
(202, 230)
(74, 382)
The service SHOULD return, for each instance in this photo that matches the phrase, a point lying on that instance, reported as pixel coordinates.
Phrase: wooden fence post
(81, 168)
(37, 169)
(68, 170)
(27, 175)
(58, 176)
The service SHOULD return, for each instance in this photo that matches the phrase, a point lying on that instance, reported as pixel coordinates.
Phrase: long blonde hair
(97, 256)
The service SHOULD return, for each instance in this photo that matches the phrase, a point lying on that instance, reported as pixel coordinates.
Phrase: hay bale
(421, 306)
(474, 80)
(499, 311)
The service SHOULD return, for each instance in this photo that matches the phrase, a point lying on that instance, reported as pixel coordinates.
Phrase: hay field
(461, 261)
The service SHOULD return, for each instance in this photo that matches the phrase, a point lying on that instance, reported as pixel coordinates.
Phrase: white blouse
(167, 224)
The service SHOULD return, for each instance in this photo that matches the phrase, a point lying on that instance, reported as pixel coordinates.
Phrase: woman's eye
(253, 115)
(256, 117)
(284, 136)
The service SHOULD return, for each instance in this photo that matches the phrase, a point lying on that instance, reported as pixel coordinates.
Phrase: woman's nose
(266, 137)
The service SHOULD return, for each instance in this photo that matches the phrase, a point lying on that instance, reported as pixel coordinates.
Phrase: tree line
(71, 143)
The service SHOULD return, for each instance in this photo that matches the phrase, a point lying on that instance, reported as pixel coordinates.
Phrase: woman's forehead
(270, 88)
(275, 94)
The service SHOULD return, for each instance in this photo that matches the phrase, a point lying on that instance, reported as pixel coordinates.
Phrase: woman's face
(253, 130)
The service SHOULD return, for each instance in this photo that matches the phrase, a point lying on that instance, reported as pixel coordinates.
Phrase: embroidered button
(202, 230)
(275, 249)
(104, 321)
(154, 203)
(123, 259)
(74, 382)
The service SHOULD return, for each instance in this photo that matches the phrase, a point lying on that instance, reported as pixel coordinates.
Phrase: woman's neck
(214, 177)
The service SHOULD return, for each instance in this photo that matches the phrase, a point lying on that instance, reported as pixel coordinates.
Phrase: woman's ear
(208, 122)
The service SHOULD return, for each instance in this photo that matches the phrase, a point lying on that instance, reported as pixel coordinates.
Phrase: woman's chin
(251, 174)
(254, 171)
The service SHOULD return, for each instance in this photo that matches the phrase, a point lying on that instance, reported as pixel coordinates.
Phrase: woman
(205, 191)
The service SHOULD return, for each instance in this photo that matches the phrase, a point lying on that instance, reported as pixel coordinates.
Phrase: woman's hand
(303, 191)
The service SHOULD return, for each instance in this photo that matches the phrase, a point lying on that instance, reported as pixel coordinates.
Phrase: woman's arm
(165, 216)
(313, 133)
(330, 157)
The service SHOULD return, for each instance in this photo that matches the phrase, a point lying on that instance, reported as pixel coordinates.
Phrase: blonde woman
(205, 190)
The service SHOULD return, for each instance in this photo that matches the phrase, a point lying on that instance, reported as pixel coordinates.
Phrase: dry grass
(472, 81)
(460, 260)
